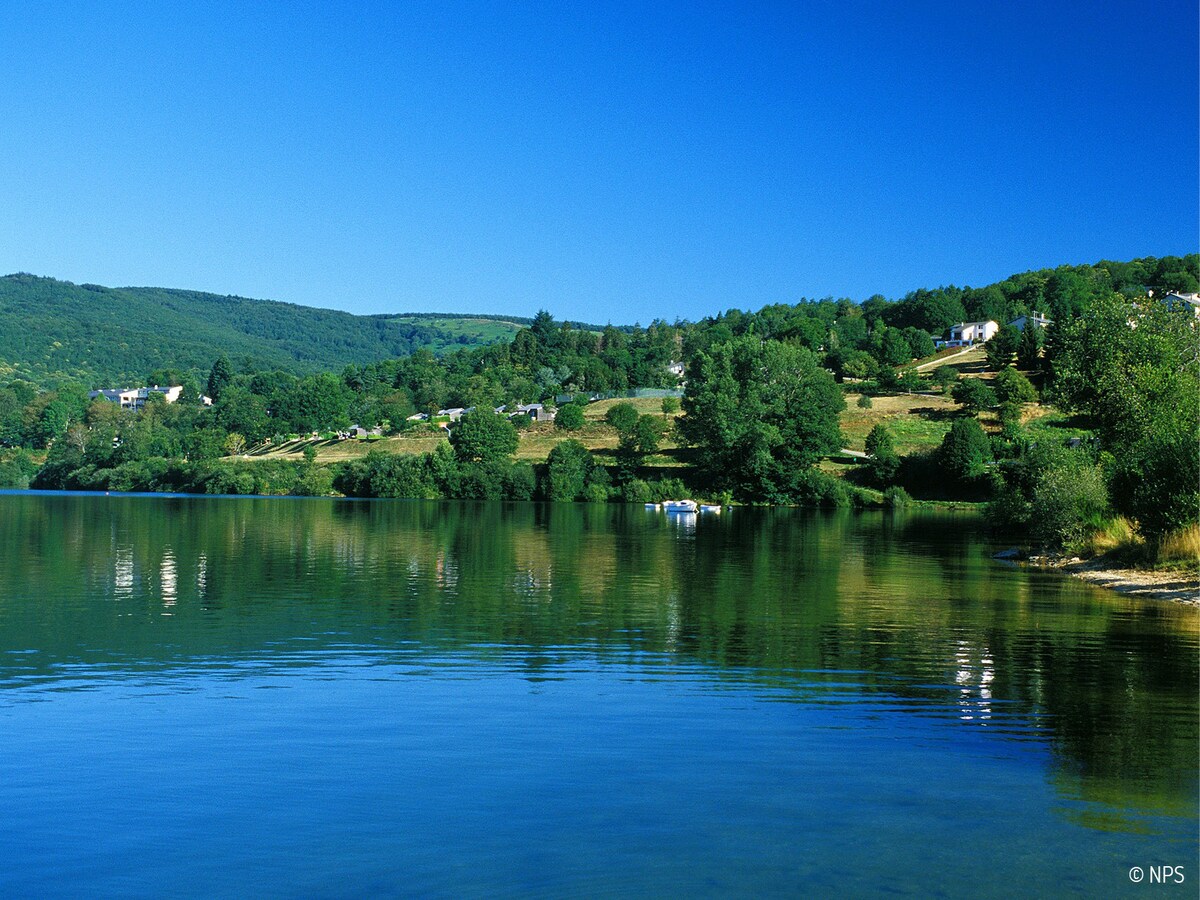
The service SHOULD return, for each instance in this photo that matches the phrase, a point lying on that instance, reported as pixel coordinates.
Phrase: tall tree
(218, 377)
(1030, 346)
(483, 436)
(760, 414)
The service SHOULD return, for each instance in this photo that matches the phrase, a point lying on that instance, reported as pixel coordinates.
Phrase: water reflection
(907, 612)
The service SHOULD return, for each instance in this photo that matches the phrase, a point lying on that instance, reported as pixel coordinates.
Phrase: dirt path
(933, 364)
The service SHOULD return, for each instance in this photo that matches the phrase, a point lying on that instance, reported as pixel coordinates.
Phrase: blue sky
(608, 162)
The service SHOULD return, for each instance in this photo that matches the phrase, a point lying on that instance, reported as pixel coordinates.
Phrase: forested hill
(53, 330)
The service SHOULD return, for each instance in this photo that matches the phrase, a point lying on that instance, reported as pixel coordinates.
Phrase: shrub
(945, 377)
(483, 436)
(1013, 387)
(519, 482)
(1058, 496)
(1069, 500)
(622, 417)
(974, 395)
(667, 489)
(896, 497)
(965, 450)
(636, 491)
(567, 469)
(816, 488)
(864, 401)
(569, 418)
(883, 462)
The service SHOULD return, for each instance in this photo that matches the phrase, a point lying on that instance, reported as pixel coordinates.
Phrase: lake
(207, 696)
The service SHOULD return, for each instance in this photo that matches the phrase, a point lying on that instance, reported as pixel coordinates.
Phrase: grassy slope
(915, 421)
(54, 330)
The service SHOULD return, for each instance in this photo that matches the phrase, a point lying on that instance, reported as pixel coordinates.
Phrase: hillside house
(537, 412)
(1176, 300)
(966, 334)
(1035, 317)
(135, 398)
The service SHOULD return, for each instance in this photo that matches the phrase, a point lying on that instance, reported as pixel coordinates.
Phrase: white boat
(652, 506)
(679, 506)
(709, 508)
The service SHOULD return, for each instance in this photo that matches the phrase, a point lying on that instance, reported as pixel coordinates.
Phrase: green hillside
(51, 331)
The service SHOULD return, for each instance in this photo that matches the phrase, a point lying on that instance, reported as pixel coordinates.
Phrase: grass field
(915, 421)
(535, 442)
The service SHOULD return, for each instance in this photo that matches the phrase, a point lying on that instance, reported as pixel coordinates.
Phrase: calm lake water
(278, 697)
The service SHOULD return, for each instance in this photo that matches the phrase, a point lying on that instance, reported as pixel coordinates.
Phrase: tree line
(761, 405)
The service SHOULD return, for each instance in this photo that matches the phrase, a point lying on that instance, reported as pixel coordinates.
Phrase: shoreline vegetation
(1076, 424)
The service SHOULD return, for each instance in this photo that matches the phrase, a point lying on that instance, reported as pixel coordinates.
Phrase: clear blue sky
(605, 161)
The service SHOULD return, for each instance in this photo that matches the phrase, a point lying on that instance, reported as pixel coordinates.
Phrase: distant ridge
(52, 331)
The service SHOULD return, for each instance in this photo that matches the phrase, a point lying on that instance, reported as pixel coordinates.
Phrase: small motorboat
(709, 508)
(679, 506)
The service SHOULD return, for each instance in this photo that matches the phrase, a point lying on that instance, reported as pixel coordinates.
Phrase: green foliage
(760, 414)
(569, 418)
(1157, 482)
(1011, 386)
(635, 490)
(883, 462)
(864, 401)
(909, 379)
(945, 377)
(219, 377)
(965, 451)
(670, 406)
(388, 475)
(920, 344)
(973, 394)
(815, 488)
(642, 438)
(1054, 494)
(896, 497)
(567, 469)
(205, 443)
(1029, 349)
(1133, 369)
(17, 468)
(1002, 347)
(53, 330)
(622, 417)
(483, 436)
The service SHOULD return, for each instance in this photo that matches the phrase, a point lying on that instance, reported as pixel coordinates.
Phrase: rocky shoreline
(1147, 584)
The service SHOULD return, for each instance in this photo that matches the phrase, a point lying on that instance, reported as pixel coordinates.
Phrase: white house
(676, 368)
(1175, 300)
(964, 334)
(135, 398)
(1035, 317)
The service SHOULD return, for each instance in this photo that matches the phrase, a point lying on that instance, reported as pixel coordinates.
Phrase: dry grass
(1118, 536)
(915, 421)
(644, 406)
(340, 451)
(538, 441)
(1182, 546)
(535, 443)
